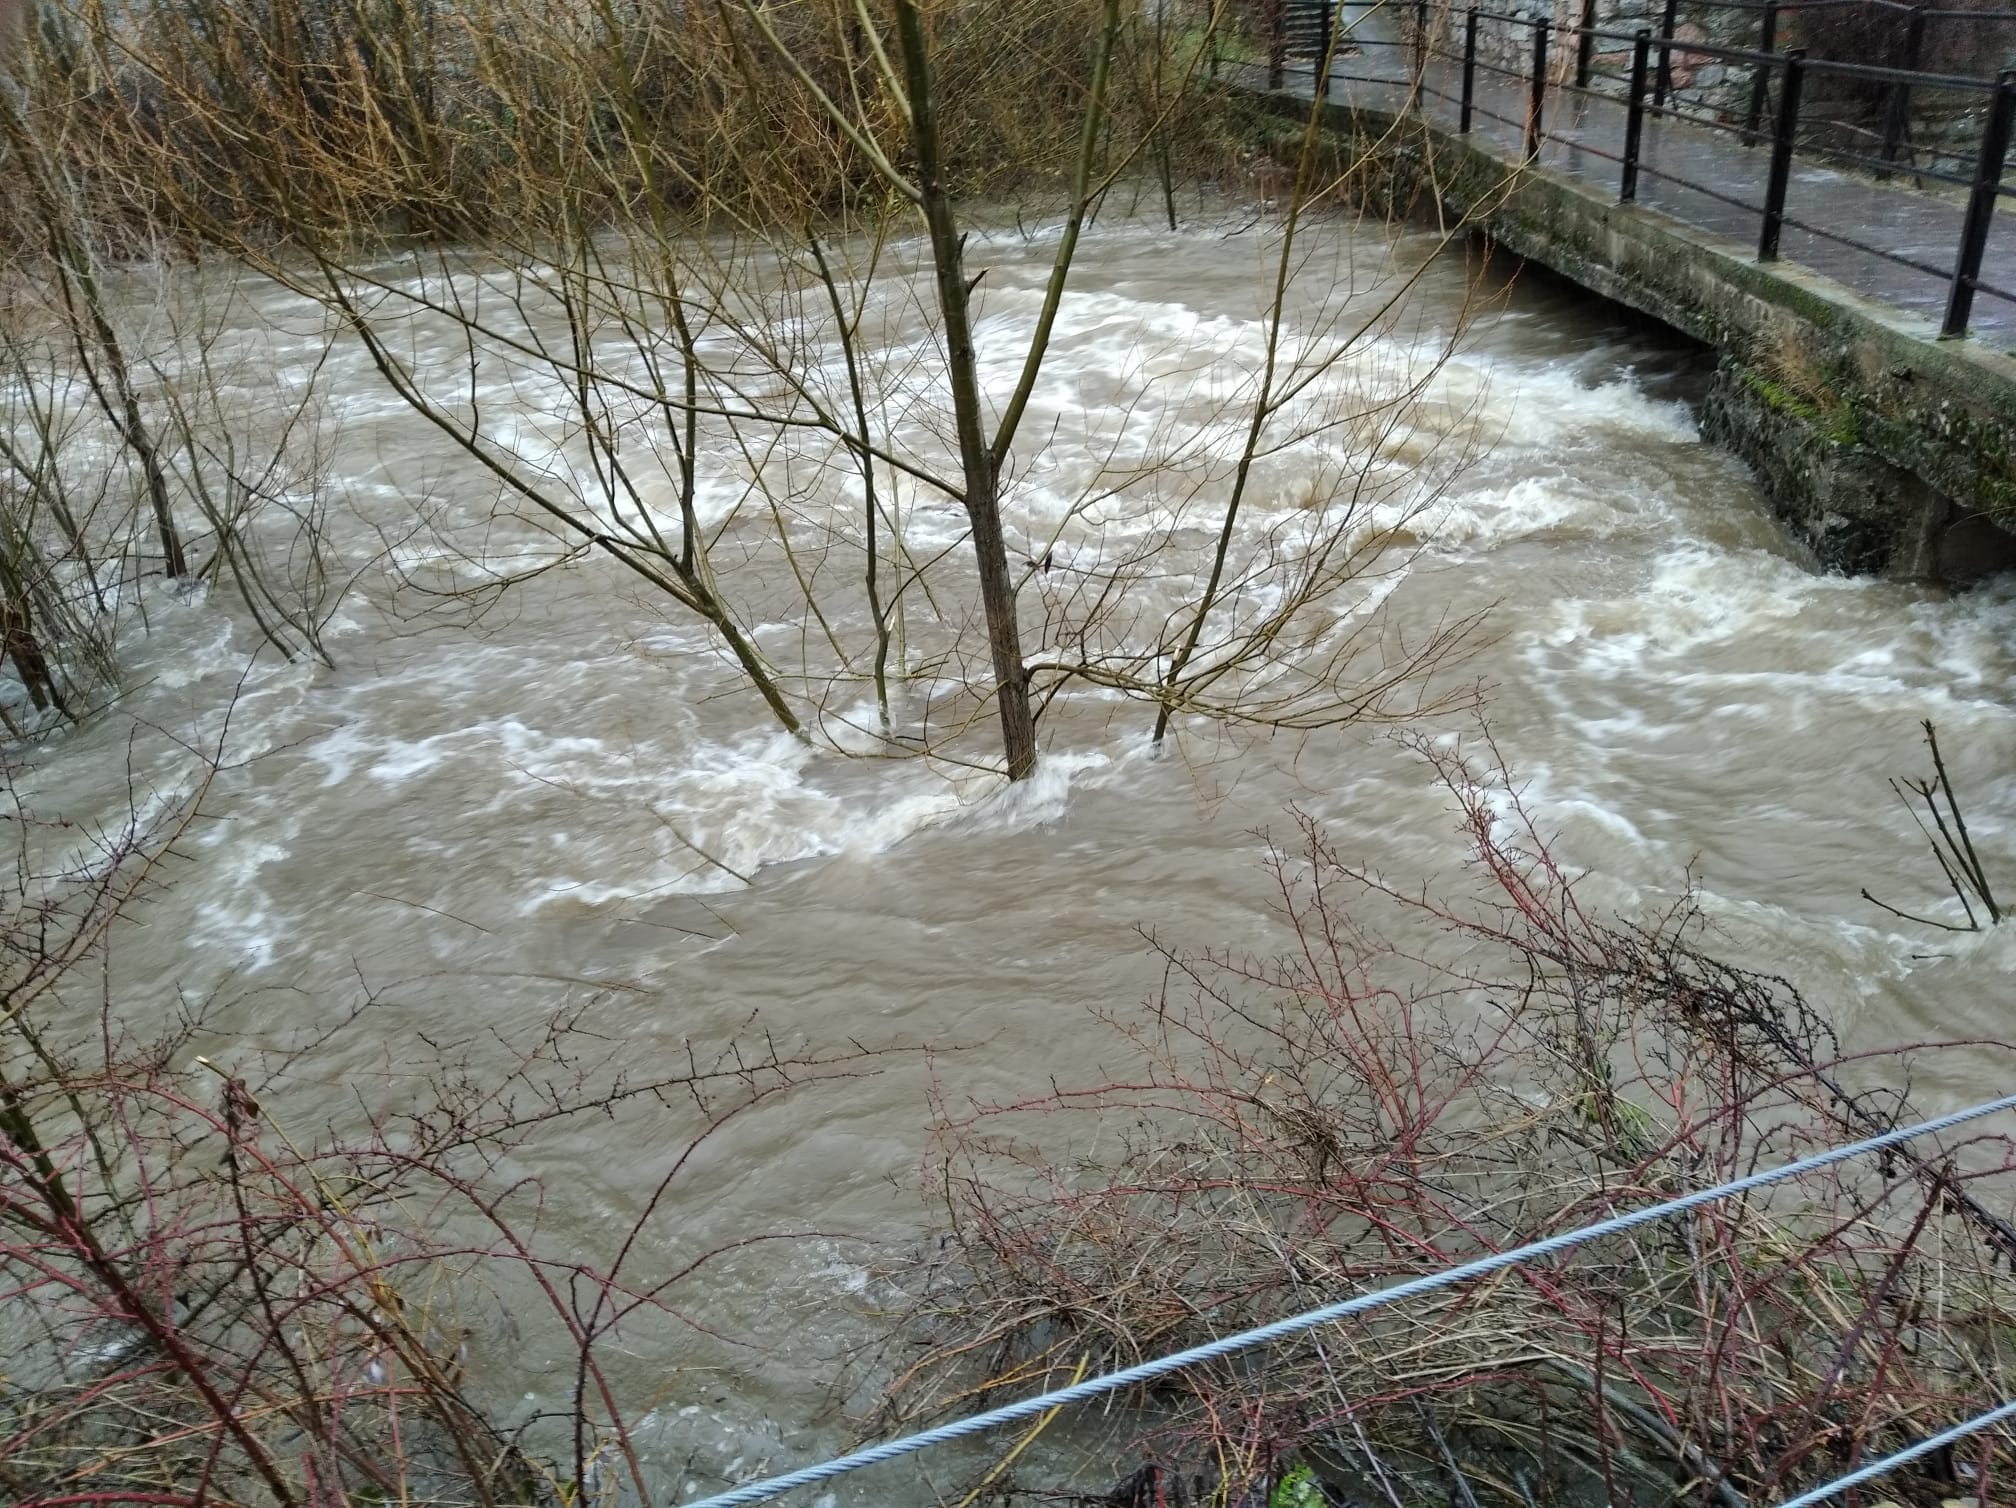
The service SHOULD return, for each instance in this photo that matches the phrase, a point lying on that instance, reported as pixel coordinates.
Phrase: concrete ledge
(1888, 449)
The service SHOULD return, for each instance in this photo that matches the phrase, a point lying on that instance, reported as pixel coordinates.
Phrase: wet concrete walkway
(1691, 173)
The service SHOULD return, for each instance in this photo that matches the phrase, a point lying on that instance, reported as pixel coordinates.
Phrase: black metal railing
(1303, 29)
(1429, 54)
(1912, 40)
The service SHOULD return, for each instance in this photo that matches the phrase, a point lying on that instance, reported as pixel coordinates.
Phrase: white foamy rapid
(564, 791)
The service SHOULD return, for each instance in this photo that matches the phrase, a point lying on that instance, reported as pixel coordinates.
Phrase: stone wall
(1884, 449)
(1944, 126)
(1701, 86)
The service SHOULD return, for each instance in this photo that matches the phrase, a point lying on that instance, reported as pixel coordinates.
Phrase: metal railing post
(1781, 155)
(1277, 43)
(1663, 86)
(1469, 71)
(1897, 108)
(1541, 26)
(1760, 82)
(1585, 49)
(1634, 118)
(1981, 205)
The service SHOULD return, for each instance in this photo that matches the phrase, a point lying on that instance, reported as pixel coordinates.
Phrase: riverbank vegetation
(734, 261)
(1306, 1127)
(752, 307)
(213, 1300)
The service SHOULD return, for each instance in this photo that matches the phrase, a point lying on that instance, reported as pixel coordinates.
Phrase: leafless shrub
(1951, 844)
(131, 454)
(686, 233)
(210, 1299)
(1355, 1112)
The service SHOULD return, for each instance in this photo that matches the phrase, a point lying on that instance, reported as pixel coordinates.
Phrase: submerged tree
(1951, 844)
(718, 309)
(122, 460)
(222, 1289)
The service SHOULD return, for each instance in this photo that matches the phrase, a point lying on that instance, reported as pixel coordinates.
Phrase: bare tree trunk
(78, 281)
(982, 473)
(19, 644)
(1265, 402)
(1164, 167)
(848, 333)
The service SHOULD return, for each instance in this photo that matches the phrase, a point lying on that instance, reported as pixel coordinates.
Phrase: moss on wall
(1884, 420)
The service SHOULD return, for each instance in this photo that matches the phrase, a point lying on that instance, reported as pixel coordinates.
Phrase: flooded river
(571, 801)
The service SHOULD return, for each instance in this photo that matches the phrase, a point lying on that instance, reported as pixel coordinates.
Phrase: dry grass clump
(311, 123)
(1353, 1113)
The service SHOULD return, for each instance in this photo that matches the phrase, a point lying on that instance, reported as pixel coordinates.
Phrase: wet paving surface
(1893, 241)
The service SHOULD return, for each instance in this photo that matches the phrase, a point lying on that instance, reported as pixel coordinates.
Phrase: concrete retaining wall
(1888, 450)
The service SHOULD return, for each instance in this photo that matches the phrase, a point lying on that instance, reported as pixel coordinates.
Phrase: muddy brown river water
(487, 824)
